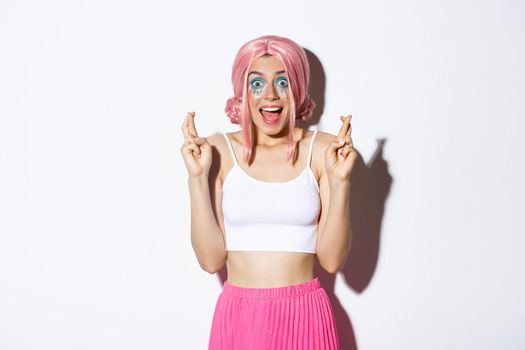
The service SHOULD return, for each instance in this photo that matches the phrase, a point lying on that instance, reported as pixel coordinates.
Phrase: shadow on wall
(371, 185)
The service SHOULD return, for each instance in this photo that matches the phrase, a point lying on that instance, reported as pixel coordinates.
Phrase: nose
(271, 93)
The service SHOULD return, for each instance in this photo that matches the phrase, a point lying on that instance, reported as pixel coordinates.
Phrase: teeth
(274, 109)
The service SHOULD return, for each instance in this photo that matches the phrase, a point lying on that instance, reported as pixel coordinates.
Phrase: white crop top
(270, 216)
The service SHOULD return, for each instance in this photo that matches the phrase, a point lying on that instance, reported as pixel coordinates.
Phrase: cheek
(253, 103)
(256, 93)
(283, 91)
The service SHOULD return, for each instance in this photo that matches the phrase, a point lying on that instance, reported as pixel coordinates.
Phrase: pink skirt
(298, 316)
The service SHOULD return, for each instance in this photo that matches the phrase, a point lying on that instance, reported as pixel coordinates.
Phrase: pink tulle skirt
(298, 316)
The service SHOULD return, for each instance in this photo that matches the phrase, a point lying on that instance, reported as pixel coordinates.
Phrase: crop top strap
(230, 147)
(311, 148)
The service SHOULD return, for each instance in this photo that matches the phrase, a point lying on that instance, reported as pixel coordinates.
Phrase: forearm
(206, 236)
(336, 236)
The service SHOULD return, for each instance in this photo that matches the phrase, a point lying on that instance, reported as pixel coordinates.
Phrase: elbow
(331, 269)
(214, 267)
(211, 269)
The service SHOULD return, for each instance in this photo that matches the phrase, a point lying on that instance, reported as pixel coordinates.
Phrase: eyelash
(285, 80)
(252, 86)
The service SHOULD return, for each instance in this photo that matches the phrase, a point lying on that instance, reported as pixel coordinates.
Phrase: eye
(282, 82)
(256, 84)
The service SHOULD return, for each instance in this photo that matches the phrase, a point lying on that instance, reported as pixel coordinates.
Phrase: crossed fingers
(345, 131)
(188, 128)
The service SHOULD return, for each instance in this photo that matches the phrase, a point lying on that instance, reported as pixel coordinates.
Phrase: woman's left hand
(340, 157)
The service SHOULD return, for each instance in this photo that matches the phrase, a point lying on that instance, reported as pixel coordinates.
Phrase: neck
(262, 139)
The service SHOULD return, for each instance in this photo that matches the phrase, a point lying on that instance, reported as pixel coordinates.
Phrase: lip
(270, 121)
(271, 106)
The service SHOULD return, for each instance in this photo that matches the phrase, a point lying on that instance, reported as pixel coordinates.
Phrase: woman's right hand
(196, 151)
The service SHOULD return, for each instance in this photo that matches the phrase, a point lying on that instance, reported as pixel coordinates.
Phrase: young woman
(268, 199)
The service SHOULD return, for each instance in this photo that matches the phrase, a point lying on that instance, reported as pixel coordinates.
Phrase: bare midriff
(251, 269)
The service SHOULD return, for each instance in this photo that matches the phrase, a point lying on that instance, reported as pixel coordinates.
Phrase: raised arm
(207, 238)
(335, 232)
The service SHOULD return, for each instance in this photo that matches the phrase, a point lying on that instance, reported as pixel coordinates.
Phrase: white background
(95, 248)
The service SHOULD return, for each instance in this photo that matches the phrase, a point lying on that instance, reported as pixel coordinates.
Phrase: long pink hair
(293, 58)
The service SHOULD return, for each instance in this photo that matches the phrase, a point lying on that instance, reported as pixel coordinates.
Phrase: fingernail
(341, 142)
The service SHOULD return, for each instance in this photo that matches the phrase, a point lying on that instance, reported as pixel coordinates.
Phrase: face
(268, 94)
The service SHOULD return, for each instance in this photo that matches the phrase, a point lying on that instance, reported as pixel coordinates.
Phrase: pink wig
(293, 58)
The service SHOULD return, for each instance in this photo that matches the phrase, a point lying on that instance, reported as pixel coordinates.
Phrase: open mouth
(271, 115)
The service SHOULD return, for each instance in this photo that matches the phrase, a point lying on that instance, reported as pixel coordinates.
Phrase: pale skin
(332, 164)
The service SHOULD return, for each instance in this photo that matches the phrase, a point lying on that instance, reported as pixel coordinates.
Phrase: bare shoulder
(219, 147)
(322, 140)
(216, 139)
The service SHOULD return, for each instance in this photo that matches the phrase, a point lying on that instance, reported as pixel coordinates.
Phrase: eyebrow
(255, 72)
